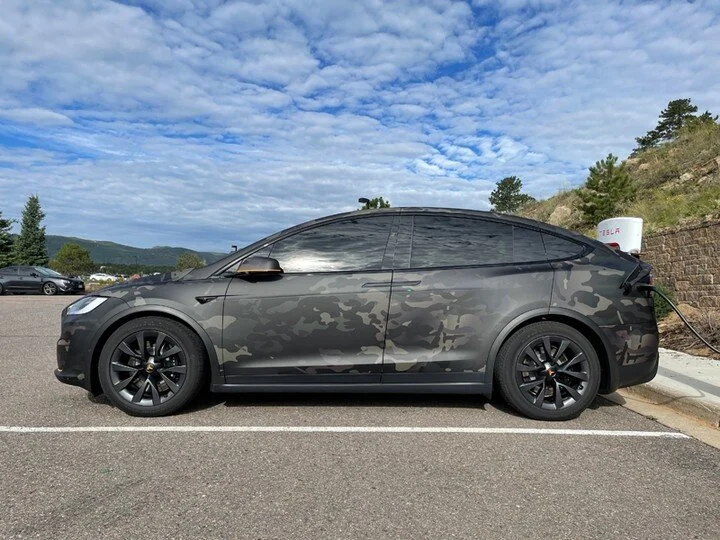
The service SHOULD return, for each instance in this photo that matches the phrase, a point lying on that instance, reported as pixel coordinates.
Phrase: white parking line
(341, 429)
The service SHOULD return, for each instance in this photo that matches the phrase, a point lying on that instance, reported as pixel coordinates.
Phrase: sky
(203, 123)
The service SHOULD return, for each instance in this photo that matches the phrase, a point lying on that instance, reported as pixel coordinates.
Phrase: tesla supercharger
(624, 233)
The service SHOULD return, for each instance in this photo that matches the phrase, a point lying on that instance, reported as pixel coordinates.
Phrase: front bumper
(79, 337)
(74, 287)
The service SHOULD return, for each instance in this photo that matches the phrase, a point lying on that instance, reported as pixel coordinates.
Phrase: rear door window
(440, 241)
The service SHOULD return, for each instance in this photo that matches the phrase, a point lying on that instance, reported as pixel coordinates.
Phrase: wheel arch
(151, 311)
(603, 348)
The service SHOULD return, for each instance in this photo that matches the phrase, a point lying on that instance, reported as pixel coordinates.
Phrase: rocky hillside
(678, 184)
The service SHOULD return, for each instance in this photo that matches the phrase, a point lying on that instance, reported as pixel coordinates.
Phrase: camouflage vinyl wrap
(443, 322)
(384, 325)
(591, 286)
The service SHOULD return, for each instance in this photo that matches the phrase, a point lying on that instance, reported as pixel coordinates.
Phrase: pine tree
(673, 118)
(607, 187)
(30, 245)
(506, 197)
(6, 242)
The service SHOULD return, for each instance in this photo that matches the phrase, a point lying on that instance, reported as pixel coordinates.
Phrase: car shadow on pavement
(250, 400)
(209, 400)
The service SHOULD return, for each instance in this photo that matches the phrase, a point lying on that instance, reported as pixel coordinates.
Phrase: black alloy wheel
(548, 371)
(152, 366)
(49, 288)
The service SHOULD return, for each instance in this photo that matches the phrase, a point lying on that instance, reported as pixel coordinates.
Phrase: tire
(555, 386)
(2, 289)
(175, 371)
(49, 288)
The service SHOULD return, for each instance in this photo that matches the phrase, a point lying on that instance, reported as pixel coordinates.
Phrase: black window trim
(269, 240)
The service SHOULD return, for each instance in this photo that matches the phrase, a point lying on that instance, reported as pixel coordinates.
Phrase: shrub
(662, 308)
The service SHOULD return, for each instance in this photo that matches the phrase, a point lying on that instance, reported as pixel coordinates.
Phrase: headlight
(85, 305)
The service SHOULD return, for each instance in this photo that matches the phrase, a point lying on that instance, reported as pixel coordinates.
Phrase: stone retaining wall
(688, 261)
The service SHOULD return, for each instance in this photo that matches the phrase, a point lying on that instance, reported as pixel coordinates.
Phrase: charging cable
(645, 287)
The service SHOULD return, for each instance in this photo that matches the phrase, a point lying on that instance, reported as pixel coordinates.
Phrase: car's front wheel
(49, 288)
(548, 371)
(152, 366)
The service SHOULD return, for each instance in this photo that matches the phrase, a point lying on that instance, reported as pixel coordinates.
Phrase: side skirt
(367, 388)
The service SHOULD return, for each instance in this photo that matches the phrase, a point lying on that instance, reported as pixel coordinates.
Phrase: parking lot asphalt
(329, 484)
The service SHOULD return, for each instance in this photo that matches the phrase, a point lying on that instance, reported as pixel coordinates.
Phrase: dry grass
(675, 335)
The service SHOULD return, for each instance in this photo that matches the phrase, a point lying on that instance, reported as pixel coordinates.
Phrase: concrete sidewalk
(689, 384)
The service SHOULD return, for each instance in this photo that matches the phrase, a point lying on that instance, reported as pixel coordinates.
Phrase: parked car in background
(36, 280)
(101, 276)
(393, 300)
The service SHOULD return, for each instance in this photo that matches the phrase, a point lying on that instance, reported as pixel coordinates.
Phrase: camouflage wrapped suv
(394, 300)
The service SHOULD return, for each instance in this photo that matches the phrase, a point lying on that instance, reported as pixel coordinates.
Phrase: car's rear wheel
(49, 288)
(152, 366)
(548, 371)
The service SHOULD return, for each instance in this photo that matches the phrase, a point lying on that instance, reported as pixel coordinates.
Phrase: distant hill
(110, 252)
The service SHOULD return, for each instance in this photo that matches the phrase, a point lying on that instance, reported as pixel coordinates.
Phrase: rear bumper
(636, 354)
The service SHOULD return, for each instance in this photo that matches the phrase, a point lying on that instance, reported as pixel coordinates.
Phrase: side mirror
(34, 274)
(259, 266)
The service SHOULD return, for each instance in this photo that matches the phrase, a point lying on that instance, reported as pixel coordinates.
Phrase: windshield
(47, 272)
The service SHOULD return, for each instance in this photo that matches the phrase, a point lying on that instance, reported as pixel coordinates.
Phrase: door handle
(407, 283)
(206, 299)
(377, 284)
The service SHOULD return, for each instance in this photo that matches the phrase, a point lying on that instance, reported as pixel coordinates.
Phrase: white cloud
(35, 115)
(211, 123)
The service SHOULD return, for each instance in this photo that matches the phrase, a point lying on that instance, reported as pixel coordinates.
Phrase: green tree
(677, 114)
(188, 261)
(607, 187)
(6, 242)
(507, 196)
(30, 245)
(72, 260)
(377, 202)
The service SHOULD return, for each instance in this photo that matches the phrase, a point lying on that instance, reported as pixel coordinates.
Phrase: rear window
(561, 248)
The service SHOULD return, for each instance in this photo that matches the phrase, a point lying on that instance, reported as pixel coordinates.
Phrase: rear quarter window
(561, 248)
(528, 245)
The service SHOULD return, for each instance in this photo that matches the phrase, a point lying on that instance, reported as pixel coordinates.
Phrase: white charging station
(625, 233)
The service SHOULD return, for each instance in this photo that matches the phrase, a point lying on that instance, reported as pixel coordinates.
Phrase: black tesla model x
(394, 300)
